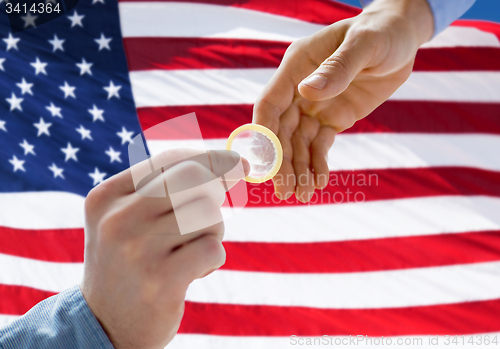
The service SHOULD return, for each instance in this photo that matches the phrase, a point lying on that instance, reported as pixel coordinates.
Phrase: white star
(25, 87)
(55, 111)
(57, 44)
(1, 64)
(112, 90)
(15, 103)
(42, 127)
(68, 90)
(11, 42)
(113, 155)
(2, 125)
(84, 67)
(97, 176)
(28, 148)
(58, 172)
(51, 1)
(39, 67)
(125, 135)
(76, 19)
(84, 132)
(96, 1)
(70, 152)
(103, 42)
(96, 113)
(29, 20)
(18, 164)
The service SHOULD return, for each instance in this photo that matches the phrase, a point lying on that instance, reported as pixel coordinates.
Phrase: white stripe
(394, 288)
(48, 276)
(191, 87)
(159, 19)
(7, 319)
(388, 150)
(456, 36)
(348, 221)
(450, 86)
(381, 289)
(153, 88)
(41, 210)
(185, 341)
(364, 220)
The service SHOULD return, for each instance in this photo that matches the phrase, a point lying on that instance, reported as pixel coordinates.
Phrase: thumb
(335, 74)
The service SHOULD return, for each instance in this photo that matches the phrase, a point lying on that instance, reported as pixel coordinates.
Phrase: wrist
(415, 14)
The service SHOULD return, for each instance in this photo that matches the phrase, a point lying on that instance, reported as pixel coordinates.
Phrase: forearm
(443, 12)
(416, 14)
(59, 322)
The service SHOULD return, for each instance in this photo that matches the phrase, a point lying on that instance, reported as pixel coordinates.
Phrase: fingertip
(284, 181)
(321, 179)
(246, 166)
(303, 195)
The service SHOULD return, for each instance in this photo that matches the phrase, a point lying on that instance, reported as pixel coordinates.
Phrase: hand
(137, 264)
(328, 81)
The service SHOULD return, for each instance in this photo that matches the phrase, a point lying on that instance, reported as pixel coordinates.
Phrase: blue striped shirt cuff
(444, 11)
(63, 321)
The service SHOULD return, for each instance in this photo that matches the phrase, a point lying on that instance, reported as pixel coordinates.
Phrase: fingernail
(317, 81)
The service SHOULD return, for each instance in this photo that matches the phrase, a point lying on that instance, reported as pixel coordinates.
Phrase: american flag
(417, 253)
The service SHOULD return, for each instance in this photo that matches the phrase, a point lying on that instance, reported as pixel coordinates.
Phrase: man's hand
(137, 264)
(328, 81)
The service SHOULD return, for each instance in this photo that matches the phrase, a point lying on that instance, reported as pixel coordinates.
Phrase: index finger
(220, 162)
(279, 92)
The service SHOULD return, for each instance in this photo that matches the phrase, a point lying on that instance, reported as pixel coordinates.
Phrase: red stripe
(314, 11)
(201, 53)
(56, 245)
(17, 300)
(458, 59)
(260, 320)
(364, 255)
(218, 121)
(328, 257)
(324, 257)
(386, 184)
(207, 53)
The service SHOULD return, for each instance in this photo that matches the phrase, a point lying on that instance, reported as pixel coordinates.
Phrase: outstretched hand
(328, 81)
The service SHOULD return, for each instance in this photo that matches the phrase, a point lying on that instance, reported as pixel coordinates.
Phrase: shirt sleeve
(64, 321)
(444, 11)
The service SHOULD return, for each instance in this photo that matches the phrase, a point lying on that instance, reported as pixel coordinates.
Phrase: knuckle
(337, 62)
(96, 197)
(196, 172)
(111, 225)
(212, 251)
(346, 123)
(211, 211)
(295, 47)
